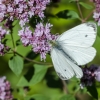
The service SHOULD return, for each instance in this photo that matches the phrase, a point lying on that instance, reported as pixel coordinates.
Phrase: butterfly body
(59, 47)
(73, 48)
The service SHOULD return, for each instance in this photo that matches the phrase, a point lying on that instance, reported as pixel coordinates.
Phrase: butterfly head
(56, 44)
(52, 43)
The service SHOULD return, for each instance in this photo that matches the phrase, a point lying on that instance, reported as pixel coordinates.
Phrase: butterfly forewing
(80, 55)
(81, 36)
(77, 43)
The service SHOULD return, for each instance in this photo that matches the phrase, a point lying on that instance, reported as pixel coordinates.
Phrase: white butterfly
(73, 48)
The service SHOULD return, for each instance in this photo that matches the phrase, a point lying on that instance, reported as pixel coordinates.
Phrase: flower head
(96, 14)
(42, 36)
(5, 93)
(39, 40)
(26, 35)
(3, 32)
(97, 74)
(22, 9)
(88, 76)
(3, 48)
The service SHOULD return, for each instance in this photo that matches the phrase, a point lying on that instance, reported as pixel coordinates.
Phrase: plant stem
(82, 19)
(11, 29)
(88, 16)
(65, 87)
(42, 63)
(12, 40)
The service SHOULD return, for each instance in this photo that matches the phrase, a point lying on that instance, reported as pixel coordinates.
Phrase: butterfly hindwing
(64, 67)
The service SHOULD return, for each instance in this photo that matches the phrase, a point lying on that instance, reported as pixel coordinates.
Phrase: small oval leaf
(16, 64)
(85, 5)
(40, 71)
(68, 14)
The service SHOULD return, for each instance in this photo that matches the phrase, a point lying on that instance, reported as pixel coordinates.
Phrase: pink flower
(26, 35)
(97, 74)
(22, 9)
(41, 39)
(96, 14)
(5, 93)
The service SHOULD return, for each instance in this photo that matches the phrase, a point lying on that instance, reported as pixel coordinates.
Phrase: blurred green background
(51, 87)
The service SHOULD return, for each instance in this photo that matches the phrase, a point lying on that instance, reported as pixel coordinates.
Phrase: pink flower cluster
(22, 9)
(97, 74)
(96, 14)
(25, 35)
(42, 37)
(3, 48)
(89, 75)
(39, 40)
(5, 93)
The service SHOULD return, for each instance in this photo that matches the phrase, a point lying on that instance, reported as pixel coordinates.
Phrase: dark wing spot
(62, 77)
(92, 25)
(86, 35)
(65, 70)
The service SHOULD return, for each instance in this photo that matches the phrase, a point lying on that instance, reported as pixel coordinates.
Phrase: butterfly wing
(77, 43)
(81, 36)
(64, 67)
(80, 55)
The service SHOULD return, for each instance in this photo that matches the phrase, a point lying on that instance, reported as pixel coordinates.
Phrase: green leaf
(85, 5)
(67, 97)
(18, 42)
(29, 74)
(37, 97)
(93, 91)
(72, 1)
(73, 15)
(15, 22)
(16, 64)
(22, 82)
(31, 55)
(68, 14)
(39, 74)
(4, 41)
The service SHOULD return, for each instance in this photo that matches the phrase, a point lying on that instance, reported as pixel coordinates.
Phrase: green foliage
(67, 97)
(22, 82)
(37, 77)
(85, 5)
(62, 14)
(18, 42)
(70, 1)
(67, 14)
(16, 64)
(40, 71)
(37, 97)
(93, 91)
(31, 55)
